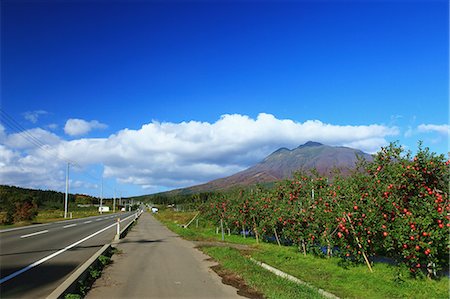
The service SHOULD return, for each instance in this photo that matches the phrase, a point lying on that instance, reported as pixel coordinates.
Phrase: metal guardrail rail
(70, 284)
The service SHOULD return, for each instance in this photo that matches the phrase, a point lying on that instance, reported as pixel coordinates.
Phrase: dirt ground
(236, 281)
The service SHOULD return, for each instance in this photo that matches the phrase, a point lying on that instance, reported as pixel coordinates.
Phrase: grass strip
(354, 281)
(258, 278)
(94, 272)
(343, 280)
(204, 232)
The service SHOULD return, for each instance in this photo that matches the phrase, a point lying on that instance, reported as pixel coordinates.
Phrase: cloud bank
(441, 129)
(166, 155)
(78, 127)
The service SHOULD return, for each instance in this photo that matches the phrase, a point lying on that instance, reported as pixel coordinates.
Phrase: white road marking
(34, 234)
(70, 225)
(24, 227)
(37, 263)
(87, 221)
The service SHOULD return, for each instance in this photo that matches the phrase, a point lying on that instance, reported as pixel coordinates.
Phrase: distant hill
(283, 163)
(46, 199)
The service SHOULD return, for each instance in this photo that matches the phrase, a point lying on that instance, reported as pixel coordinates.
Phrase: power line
(12, 124)
(27, 135)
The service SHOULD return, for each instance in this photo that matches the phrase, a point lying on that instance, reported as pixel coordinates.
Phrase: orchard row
(395, 206)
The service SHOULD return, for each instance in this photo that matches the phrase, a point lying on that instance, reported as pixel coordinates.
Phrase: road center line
(34, 234)
(87, 221)
(37, 263)
(70, 225)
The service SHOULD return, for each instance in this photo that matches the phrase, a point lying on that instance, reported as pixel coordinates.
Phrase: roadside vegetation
(94, 272)
(263, 283)
(396, 207)
(20, 206)
(345, 280)
(382, 232)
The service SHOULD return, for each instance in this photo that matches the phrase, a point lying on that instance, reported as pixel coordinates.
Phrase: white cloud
(33, 116)
(77, 127)
(52, 126)
(441, 129)
(165, 155)
(32, 138)
(37, 169)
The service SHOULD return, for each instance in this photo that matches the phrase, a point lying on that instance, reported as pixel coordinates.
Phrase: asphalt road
(35, 260)
(156, 263)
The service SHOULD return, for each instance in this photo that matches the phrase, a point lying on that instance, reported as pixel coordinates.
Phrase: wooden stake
(328, 249)
(304, 247)
(276, 236)
(359, 243)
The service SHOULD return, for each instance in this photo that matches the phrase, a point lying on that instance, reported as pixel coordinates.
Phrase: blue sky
(157, 95)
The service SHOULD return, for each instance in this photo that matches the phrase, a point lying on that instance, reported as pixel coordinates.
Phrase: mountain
(283, 163)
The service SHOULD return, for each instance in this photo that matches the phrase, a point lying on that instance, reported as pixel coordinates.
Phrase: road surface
(156, 263)
(36, 259)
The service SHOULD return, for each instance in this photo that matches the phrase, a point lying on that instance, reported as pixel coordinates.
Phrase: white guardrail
(70, 284)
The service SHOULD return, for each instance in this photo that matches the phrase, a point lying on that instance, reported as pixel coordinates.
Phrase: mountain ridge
(283, 162)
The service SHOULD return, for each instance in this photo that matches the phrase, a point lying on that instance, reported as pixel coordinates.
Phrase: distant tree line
(175, 199)
(21, 204)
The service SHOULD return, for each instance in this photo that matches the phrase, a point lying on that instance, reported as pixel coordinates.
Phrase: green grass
(258, 278)
(56, 215)
(46, 216)
(206, 231)
(352, 282)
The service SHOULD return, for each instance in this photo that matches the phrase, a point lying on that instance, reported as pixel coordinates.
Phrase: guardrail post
(117, 237)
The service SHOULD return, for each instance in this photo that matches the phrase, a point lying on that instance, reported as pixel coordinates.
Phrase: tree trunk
(255, 230)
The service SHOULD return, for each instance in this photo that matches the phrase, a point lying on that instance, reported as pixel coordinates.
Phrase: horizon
(150, 96)
(116, 196)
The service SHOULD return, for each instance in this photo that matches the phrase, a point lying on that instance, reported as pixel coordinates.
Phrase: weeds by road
(330, 274)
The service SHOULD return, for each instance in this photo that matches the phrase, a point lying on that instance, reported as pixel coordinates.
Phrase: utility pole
(114, 201)
(101, 197)
(66, 197)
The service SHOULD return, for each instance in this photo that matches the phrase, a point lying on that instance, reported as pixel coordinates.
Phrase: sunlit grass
(354, 281)
(258, 278)
(203, 230)
(56, 215)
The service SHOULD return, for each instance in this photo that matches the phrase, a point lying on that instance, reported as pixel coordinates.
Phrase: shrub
(397, 206)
